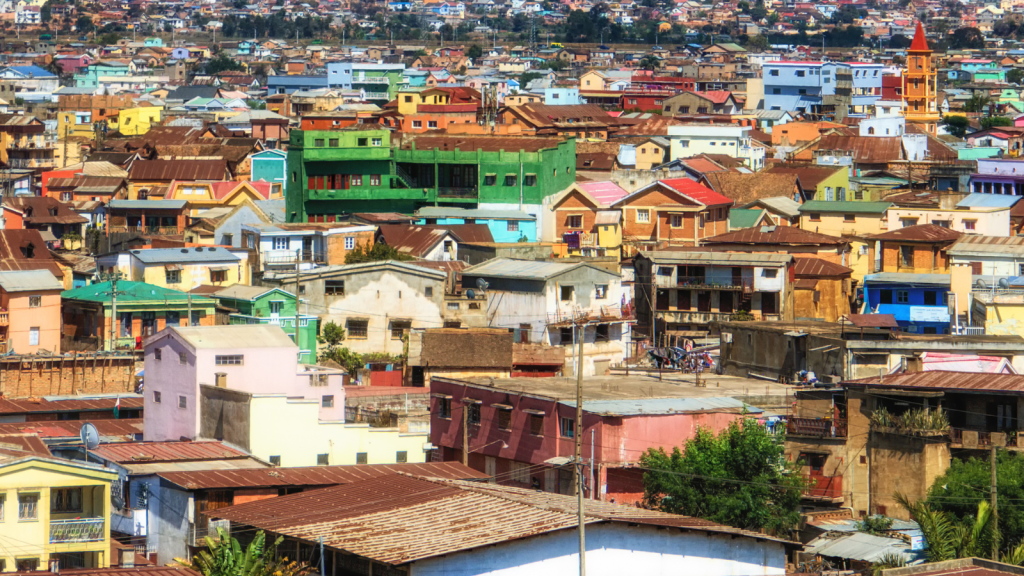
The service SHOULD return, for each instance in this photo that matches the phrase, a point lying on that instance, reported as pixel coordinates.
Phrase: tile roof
(400, 519)
(175, 451)
(784, 235)
(465, 348)
(919, 43)
(749, 187)
(314, 475)
(920, 233)
(810, 266)
(864, 149)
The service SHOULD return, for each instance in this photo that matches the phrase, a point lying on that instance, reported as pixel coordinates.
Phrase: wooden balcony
(824, 488)
(4, 317)
(816, 427)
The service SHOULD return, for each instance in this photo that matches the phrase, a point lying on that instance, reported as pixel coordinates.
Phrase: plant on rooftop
(919, 421)
(224, 556)
(876, 524)
(374, 253)
(740, 478)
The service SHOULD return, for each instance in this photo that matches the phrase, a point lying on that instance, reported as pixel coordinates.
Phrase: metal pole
(113, 310)
(298, 259)
(189, 308)
(995, 509)
(465, 433)
(593, 487)
(579, 452)
(322, 567)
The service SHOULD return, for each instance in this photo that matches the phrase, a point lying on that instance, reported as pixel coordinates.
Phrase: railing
(29, 163)
(81, 530)
(4, 317)
(375, 418)
(816, 427)
(702, 282)
(956, 436)
(456, 192)
(165, 230)
(29, 145)
(372, 80)
(376, 95)
(972, 330)
(824, 487)
(288, 257)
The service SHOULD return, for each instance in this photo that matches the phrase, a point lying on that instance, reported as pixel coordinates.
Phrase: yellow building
(181, 268)
(653, 152)
(70, 124)
(136, 121)
(408, 101)
(203, 196)
(54, 510)
(919, 85)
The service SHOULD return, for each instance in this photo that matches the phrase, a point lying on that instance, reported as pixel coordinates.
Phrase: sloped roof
(132, 292)
(28, 281)
(920, 233)
(864, 149)
(44, 210)
(920, 43)
(696, 191)
(748, 187)
(810, 266)
(784, 235)
(810, 176)
(313, 475)
(168, 170)
(848, 206)
(234, 336)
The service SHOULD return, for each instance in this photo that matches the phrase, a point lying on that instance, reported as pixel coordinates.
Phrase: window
(902, 297)
(530, 180)
(156, 397)
(815, 217)
(35, 301)
(444, 407)
(376, 141)
(849, 217)
(453, 305)
(930, 298)
(172, 276)
(232, 360)
(566, 293)
(504, 419)
(676, 220)
(801, 73)
(182, 402)
(333, 142)
(773, 72)
(33, 336)
(519, 472)
(601, 291)
(537, 424)
(417, 124)
(375, 180)
(490, 179)
(334, 287)
(64, 500)
(65, 196)
(428, 291)
(684, 143)
(431, 123)
(401, 457)
(275, 460)
(970, 224)
(361, 141)
(280, 243)
(512, 226)
(194, 320)
(474, 413)
(906, 255)
(567, 427)
(327, 401)
(684, 109)
(218, 276)
(398, 328)
(182, 359)
(357, 180)
(324, 459)
(770, 273)
(575, 221)
(158, 354)
(318, 142)
(358, 328)
(26, 564)
(510, 179)
(602, 333)
(28, 506)
(643, 215)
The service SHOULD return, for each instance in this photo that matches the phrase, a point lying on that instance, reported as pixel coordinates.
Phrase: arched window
(871, 130)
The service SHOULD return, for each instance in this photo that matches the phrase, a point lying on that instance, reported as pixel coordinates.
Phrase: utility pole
(322, 567)
(995, 509)
(465, 433)
(113, 278)
(189, 308)
(298, 285)
(578, 463)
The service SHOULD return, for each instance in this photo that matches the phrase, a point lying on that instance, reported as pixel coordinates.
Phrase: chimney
(914, 364)
(127, 558)
(222, 379)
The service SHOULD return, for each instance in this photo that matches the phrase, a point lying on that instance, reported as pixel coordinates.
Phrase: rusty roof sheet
(987, 245)
(168, 170)
(873, 320)
(108, 429)
(11, 257)
(400, 519)
(484, 143)
(44, 210)
(36, 405)
(745, 188)
(920, 233)
(939, 380)
(864, 149)
(419, 240)
(787, 235)
(810, 176)
(24, 442)
(809, 266)
(313, 475)
(177, 451)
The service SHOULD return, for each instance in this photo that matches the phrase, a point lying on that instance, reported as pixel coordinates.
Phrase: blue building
(290, 84)
(867, 84)
(270, 165)
(801, 86)
(505, 225)
(919, 302)
(562, 96)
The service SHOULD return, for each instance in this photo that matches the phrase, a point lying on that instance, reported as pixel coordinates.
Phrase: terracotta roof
(939, 380)
(745, 188)
(168, 170)
(137, 571)
(809, 266)
(703, 166)
(401, 519)
(919, 44)
(313, 475)
(785, 235)
(175, 451)
(919, 233)
(549, 116)
(716, 96)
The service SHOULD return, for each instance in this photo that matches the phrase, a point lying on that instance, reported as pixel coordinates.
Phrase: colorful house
(29, 311)
(136, 121)
(505, 225)
(142, 310)
(270, 166)
(181, 268)
(274, 306)
(582, 217)
(205, 195)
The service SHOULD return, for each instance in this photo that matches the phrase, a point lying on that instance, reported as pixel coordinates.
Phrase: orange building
(29, 311)
(675, 212)
(919, 84)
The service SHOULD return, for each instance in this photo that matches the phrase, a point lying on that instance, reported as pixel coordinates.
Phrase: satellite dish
(90, 436)
(482, 284)
(980, 284)
(470, 294)
(1004, 283)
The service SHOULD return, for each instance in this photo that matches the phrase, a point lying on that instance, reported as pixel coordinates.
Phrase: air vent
(211, 249)
(199, 249)
(184, 250)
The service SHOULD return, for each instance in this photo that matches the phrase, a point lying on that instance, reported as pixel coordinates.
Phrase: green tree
(222, 63)
(650, 62)
(948, 537)
(45, 12)
(1015, 75)
(374, 253)
(978, 102)
(739, 478)
(475, 51)
(555, 64)
(758, 43)
(956, 125)
(967, 38)
(84, 25)
(108, 39)
(224, 556)
(990, 121)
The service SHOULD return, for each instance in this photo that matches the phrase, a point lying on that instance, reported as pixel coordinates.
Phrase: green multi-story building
(263, 305)
(360, 169)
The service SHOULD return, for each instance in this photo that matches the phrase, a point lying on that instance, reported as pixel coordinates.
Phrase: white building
(886, 120)
(695, 139)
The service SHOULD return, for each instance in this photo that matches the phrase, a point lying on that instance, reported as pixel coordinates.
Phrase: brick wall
(55, 375)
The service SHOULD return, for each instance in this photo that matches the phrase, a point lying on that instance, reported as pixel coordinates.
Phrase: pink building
(521, 429)
(253, 358)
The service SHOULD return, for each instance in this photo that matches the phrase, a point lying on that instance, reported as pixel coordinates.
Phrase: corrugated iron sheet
(168, 451)
(168, 170)
(920, 233)
(940, 380)
(13, 406)
(110, 430)
(314, 475)
(819, 267)
(787, 235)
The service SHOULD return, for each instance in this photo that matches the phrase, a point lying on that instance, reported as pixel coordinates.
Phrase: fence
(375, 418)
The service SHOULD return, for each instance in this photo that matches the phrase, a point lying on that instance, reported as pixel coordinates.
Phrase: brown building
(919, 249)
(822, 290)
(675, 212)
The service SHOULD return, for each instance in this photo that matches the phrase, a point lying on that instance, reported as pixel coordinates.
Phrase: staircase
(403, 177)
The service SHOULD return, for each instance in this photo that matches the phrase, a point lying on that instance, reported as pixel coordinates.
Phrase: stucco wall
(613, 550)
(224, 415)
(164, 420)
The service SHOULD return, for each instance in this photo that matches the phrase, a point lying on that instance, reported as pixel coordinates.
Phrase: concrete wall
(224, 415)
(167, 518)
(67, 376)
(165, 420)
(905, 465)
(615, 549)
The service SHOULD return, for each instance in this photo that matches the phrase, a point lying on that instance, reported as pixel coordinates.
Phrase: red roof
(716, 96)
(222, 189)
(175, 451)
(919, 44)
(21, 406)
(72, 428)
(697, 192)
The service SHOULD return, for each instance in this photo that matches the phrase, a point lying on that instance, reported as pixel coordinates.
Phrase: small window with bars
(323, 460)
(504, 419)
(358, 328)
(362, 458)
(275, 460)
(444, 407)
(536, 424)
(28, 506)
(232, 360)
(401, 457)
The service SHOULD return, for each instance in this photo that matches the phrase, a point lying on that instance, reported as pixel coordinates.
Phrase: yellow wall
(24, 539)
(860, 259)
(193, 276)
(136, 121)
(66, 121)
(649, 155)
(609, 236)
(304, 437)
(1003, 318)
(834, 224)
(417, 98)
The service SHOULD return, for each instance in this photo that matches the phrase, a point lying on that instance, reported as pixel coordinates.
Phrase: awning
(47, 236)
(873, 320)
(534, 412)
(220, 268)
(502, 406)
(472, 401)
(172, 267)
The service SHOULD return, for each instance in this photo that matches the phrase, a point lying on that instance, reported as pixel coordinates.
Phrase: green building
(262, 305)
(142, 311)
(360, 169)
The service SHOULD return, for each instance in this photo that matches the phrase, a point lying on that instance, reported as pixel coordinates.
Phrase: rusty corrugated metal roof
(782, 235)
(810, 266)
(401, 519)
(168, 451)
(108, 429)
(168, 170)
(919, 233)
(938, 380)
(14, 406)
(313, 475)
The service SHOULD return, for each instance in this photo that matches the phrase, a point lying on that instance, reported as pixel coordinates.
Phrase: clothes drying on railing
(572, 240)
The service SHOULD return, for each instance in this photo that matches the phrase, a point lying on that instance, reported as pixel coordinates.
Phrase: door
(307, 248)
(490, 468)
(275, 311)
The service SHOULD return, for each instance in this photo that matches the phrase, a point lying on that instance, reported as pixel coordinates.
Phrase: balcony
(816, 427)
(79, 530)
(966, 438)
(31, 145)
(456, 192)
(4, 317)
(702, 283)
(824, 488)
(372, 80)
(159, 230)
(289, 257)
(699, 317)
(376, 96)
